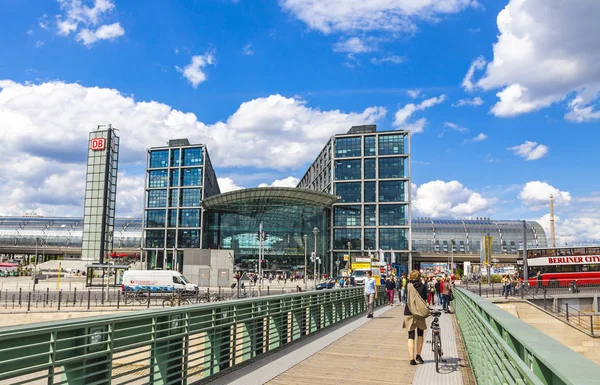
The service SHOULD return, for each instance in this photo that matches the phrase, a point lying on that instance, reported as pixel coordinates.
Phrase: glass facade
(191, 177)
(391, 144)
(159, 159)
(348, 192)
(370, 146)
(157, 198)
(347, 147)
(370, 169)
(341, 237)
(191, 197)
(155, 218)
(391, 191)
(370, 215)
(392, 239)
(391, 168)
(158, 178)
(347, 216)
(192, 156)
(348, 170)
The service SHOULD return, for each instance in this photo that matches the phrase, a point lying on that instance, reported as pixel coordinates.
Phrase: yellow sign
(361, 265)
(346, 258)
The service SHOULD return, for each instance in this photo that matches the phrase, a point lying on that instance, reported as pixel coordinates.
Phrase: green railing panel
(505, 350)
(168, 346)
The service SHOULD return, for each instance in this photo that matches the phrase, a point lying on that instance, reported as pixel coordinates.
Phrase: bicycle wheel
(436, 351)
(168, 302)
(128, 298)
(142, 298)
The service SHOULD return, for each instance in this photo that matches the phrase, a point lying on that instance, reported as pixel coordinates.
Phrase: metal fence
(505, 350)
(168, 346)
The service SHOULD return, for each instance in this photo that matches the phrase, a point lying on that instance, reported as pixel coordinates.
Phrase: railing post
(567, 311)
(20, 291)
(118, 299)
(89, 298)
(592, 324)
(74, 296)
(148, 307)
(544, 299)
(59, 298)
(29, 303)
(480, 287)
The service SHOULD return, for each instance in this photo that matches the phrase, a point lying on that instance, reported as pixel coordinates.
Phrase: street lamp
(36, 260)
(349, 259)
(305, 262)
(316, 233)
(452, 260)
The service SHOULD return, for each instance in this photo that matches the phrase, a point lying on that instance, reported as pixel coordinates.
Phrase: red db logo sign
(97, 144)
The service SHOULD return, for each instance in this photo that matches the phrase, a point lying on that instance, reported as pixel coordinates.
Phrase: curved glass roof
(268, 195)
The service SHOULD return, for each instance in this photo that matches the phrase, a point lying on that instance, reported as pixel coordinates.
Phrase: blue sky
(265, 83)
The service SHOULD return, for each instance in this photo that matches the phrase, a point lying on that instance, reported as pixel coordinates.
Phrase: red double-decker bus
(561, 265)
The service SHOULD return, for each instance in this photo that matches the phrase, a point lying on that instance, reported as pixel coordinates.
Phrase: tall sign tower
(100, 194)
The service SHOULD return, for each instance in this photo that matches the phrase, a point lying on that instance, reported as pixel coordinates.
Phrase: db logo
(132, 282)
(97, 144)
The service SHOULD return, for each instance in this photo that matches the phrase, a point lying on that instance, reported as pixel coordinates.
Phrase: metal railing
(174, 346)
(505, 350)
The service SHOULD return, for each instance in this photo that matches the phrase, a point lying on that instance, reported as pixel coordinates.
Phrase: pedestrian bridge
(304, 338)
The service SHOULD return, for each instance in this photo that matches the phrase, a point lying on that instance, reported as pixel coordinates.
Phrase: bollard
(20, 292)
(75, 297)
(89, 298)
(59, 298)
(29, 302)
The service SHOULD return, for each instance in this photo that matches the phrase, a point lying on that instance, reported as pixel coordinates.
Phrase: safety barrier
(505, 350)
(175, 346)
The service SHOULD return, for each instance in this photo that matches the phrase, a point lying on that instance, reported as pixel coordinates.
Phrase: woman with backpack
(415, 314)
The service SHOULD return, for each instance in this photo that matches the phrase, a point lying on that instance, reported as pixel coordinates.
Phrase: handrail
(504, 349)
(179, 345)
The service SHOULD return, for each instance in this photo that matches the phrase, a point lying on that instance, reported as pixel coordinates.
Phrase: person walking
(403, 282)
(390, 286)
(538, 281)
(414, 323)
(431, 291)
(438, 290)
(505, 286)
(370, 293)
(445, 287)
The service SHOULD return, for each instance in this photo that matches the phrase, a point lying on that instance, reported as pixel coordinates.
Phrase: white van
(156, 281)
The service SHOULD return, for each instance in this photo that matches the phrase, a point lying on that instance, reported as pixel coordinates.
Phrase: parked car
(328, 284)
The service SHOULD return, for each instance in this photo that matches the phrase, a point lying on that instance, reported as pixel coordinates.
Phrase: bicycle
(131, 297)
(175, 300)
(436, 339)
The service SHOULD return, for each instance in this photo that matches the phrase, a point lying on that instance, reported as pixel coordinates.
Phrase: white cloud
(478, 64)
(449, 199)
(227, 184)
(39, 43)
(479, 137)
(489, 158)
(530, 150)
(390, 16)
(455, 127)
(290, 181)
(352, 46)
(193, 71)
(29, 32)
(475, 102)
(105, 32)
(394, 59)
(546, 52)
(273, 132)
(248, 49)
(404, 113)
(78, 17)
(43, 21)
(536, 195)
(413, 93)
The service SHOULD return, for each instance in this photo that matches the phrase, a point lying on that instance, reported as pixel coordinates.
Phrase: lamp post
(349, 258)
(36, 260)
(452, 256)
(316, 233)
(305, 262)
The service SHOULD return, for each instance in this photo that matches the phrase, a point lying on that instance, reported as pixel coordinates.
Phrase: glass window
(348, 192)
(342, 236)
(370, 169)
(188, 239)
(391, 191)
(159, 158)
(394, 239)
(175, 157)
(391, 144)
(171, 236)
(370, 215)
(347, 147)
(391, 215)
(370, 239)
(174, 182)
(347, 216)
(155, 218)
(157, 198)
(172, 222)
(158, 178)
(189, 218)
(173, 195)
(155, 238)
(347, 169)
(192, 177)
(192, 156)
(370, 195)
(391, 167)
(191, 197)
(370, 146)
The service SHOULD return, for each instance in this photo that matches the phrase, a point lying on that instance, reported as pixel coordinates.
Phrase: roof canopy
(266, 195)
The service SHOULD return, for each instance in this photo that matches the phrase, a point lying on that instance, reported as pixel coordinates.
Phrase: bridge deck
(365, 351)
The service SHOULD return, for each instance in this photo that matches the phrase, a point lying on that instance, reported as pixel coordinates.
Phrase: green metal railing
(175, 346)
(505, 350)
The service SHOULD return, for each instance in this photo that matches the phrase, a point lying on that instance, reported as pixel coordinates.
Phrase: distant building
(369, 171)
(100, 195)
(178, 177)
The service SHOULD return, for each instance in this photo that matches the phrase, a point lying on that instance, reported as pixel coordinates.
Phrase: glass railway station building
(356, 193)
